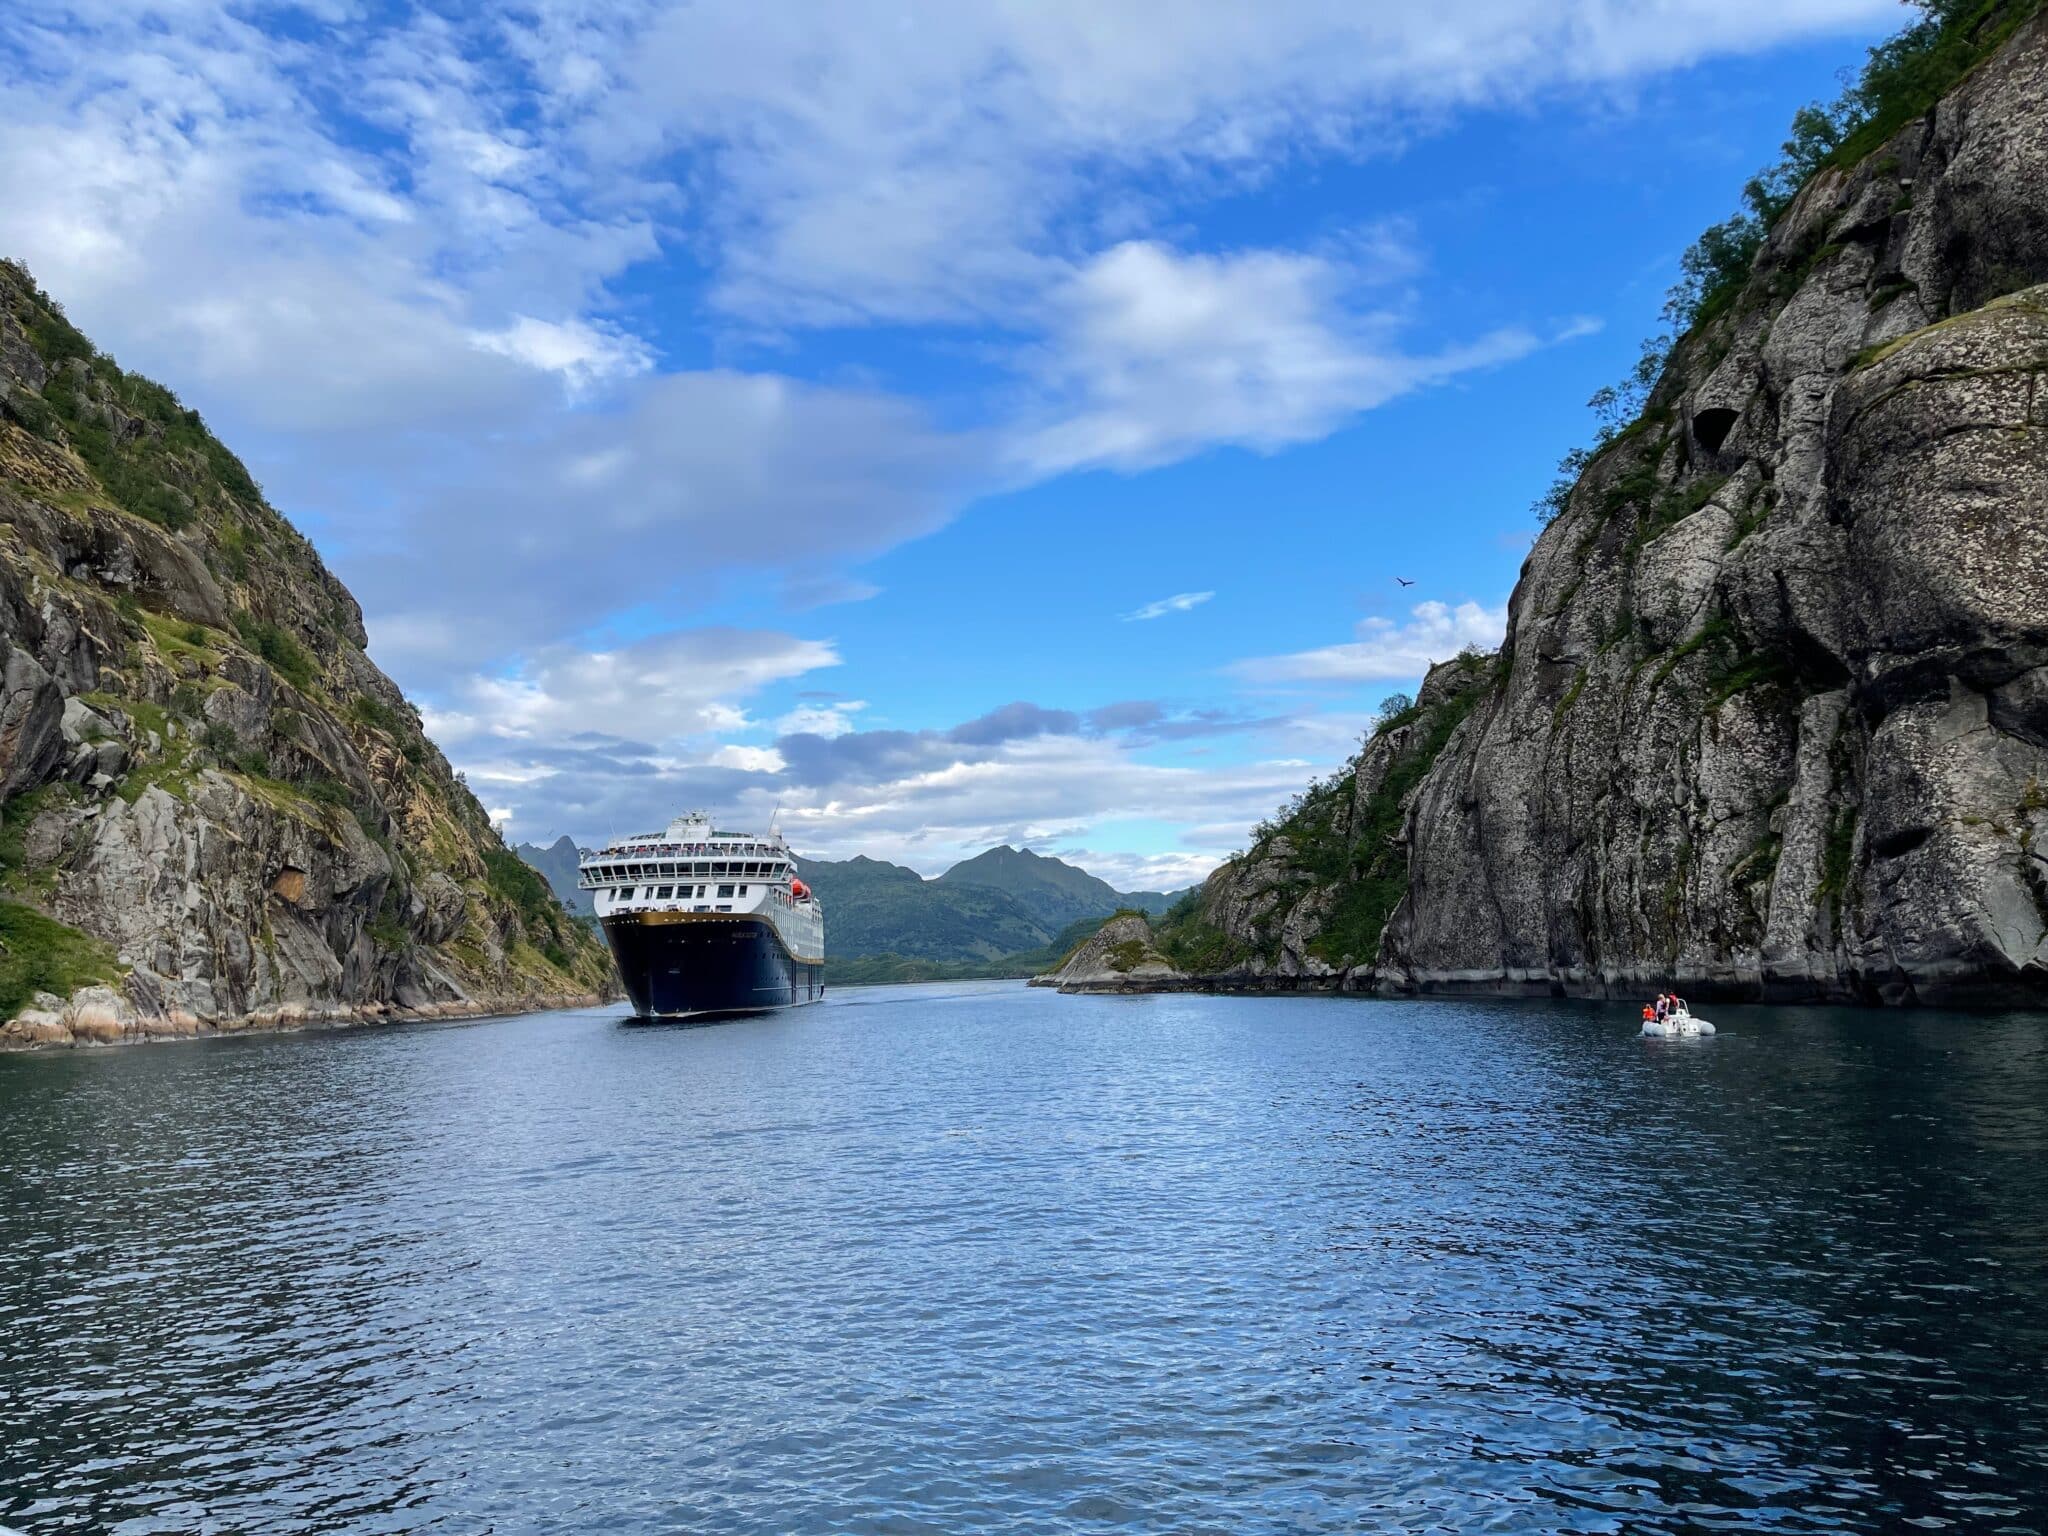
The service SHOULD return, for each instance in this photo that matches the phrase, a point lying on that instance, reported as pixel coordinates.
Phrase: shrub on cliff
(285, 655)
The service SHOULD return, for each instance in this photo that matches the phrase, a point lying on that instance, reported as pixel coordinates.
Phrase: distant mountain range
(1004, 912)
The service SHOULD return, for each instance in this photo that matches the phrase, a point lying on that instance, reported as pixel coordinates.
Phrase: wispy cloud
(1155, 354)
(1180, 602)
(1386, 651)
(933, 165)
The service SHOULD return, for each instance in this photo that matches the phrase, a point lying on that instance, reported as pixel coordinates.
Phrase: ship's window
(625, 893)
(664, 893)
(725, 909)
(743, 890)
(725, 891)
(668, 869)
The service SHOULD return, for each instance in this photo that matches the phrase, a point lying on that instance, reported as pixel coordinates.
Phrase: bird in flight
(1404, 581)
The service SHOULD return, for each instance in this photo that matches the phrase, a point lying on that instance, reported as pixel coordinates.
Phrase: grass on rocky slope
(1377, 879)
(40, 954)
(1356, 856)
(162, 474)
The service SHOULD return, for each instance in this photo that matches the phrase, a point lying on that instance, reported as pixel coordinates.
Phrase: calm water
(973, 1258)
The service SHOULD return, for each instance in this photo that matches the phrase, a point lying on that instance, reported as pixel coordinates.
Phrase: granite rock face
(1771, 718)
(230, 811)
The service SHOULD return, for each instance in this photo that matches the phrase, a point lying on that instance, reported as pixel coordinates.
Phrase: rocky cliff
(1771, 717)
(1120, 956)
(215, 811)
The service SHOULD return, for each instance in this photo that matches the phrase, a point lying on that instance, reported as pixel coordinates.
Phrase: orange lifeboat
(799, 890)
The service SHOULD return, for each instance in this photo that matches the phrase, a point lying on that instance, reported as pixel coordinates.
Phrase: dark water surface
(972, 1258)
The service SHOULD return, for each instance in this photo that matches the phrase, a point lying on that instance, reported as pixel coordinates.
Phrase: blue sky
(949, 424)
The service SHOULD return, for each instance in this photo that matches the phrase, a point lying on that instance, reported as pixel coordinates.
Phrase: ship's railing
(637, 847)
(612, 870)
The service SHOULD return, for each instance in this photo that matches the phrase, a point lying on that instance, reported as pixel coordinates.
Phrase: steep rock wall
(213, 805)
(1771, 718)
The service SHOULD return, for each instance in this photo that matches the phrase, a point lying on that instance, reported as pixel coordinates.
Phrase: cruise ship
(707, 922)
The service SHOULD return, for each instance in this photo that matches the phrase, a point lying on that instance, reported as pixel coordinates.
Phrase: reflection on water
(978, 1258)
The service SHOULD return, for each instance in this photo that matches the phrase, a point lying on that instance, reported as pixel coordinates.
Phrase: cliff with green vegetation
(1771, 716)
(215, 811)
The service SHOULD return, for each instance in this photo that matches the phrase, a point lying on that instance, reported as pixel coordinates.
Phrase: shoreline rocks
(98, 1016)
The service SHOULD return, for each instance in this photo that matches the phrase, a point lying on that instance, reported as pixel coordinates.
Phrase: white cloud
(678, 685)
(1180, 602)
(827, 720)
(910, 163)
(1033, 790)
(1140, 871)
(648, 504)
(747, 759)
(926, 798)
(1385, 650)
(582, 353)
(391, 320)
(1156, 354)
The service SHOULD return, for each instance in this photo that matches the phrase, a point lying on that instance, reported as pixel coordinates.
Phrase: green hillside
(867, 970)
(874, 908)
(1052, 890)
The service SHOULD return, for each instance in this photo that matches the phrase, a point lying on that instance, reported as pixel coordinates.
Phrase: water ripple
(992, 1260)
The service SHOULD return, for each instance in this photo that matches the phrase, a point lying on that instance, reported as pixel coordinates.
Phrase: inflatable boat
(1677, 1026)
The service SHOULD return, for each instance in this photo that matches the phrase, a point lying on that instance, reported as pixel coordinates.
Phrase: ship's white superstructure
(672, 903)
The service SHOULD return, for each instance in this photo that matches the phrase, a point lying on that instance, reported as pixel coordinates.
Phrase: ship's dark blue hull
(678, 963)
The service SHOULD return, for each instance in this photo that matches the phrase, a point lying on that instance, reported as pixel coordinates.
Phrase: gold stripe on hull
(663, 919)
